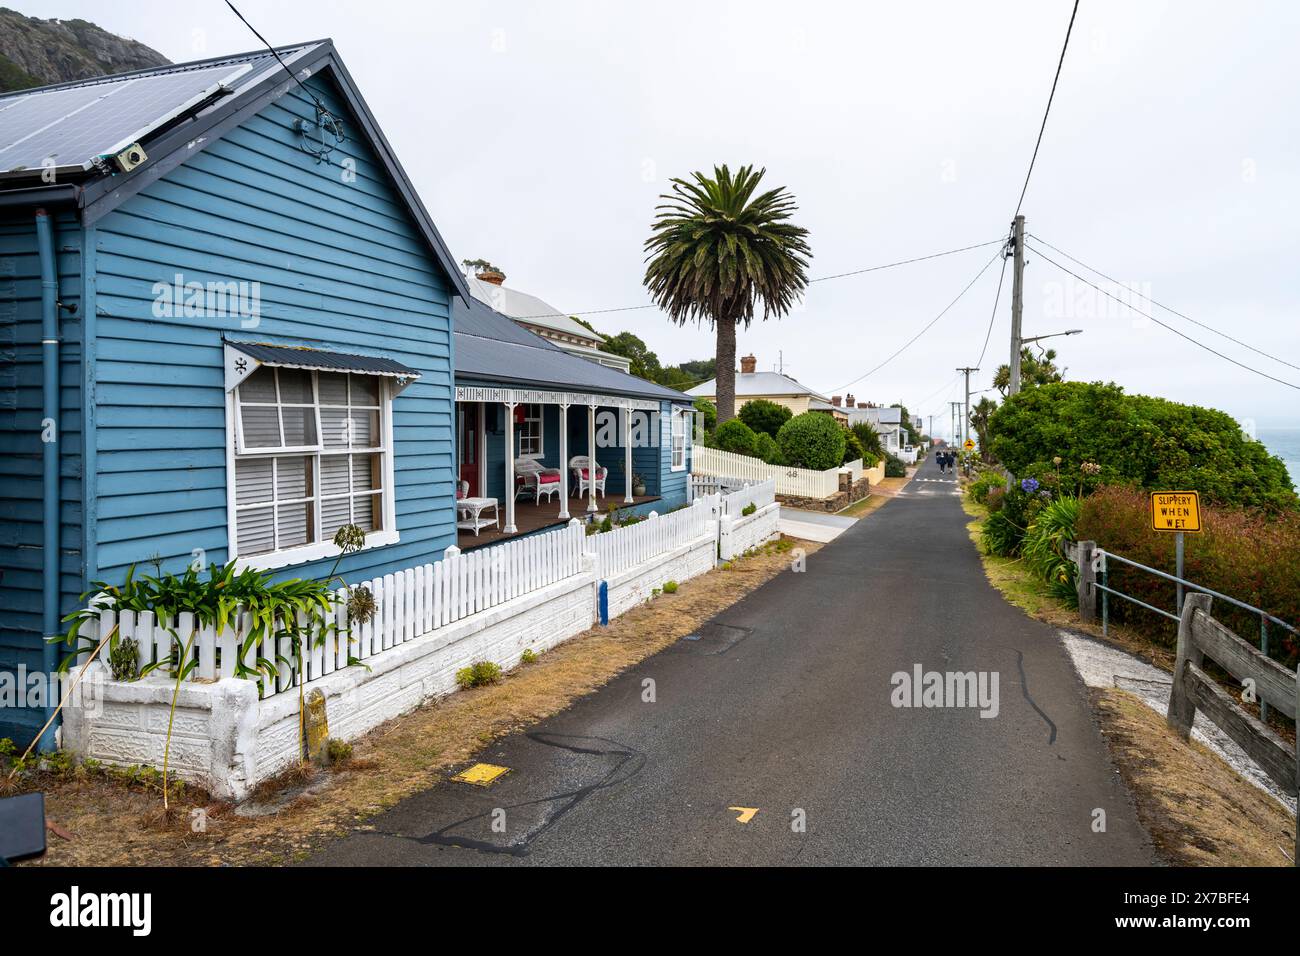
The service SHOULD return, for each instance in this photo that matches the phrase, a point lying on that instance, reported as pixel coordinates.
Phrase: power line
(993, 316)
(924, 329)
(1165, 325)
(275, 53)
(840, 275)
(1208, 328)
(1050, 97)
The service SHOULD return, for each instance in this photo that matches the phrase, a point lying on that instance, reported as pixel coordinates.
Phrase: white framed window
(309, 453)
(678, 440)
(530, 432)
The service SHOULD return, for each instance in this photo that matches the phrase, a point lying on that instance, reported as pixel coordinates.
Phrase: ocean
(1285, 443)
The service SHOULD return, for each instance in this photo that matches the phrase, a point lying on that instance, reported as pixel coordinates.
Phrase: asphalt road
(784, 704)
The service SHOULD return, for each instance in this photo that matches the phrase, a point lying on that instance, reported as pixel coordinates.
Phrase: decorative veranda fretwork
(523, 396)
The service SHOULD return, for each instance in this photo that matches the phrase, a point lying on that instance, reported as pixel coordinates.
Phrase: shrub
(869, 439)
(709, 412)
(748, 510)
(1102, 436)
(529, 656)
(766, 448)
(1004, 530)
(736, 436)
(1245, 554)
(478, 674)
(764, 416)
(337, 751)
(812, 440)
(1045, 547)
(894, 467)
(670, 587)
(978, 490)
(852, 448)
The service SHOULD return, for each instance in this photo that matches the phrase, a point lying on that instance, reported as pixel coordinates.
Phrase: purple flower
(1029, 484)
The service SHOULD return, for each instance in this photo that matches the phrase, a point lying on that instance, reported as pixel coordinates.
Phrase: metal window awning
(244, 358)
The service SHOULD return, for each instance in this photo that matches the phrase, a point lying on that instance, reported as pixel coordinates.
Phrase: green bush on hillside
(1135, 440)
(812, 440)
(894, 467)
(764, 416)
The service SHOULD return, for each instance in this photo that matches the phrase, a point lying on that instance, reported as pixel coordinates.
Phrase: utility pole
(1017, 300)
(954, 409)
(965, 425)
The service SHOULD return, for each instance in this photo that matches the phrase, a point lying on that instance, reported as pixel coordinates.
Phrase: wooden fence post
(1182, 706)
(1083, 553)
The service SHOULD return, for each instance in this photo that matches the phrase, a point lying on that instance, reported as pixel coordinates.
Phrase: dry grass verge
(106, 822)
(1197, 808)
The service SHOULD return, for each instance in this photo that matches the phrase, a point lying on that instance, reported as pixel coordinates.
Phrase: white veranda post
(510, 470)
(627, 456)
(591, 459)
(564, 460)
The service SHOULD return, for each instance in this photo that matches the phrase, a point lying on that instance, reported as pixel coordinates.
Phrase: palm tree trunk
(725, 371)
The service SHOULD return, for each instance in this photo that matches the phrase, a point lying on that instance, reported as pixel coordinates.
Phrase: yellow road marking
(481, 774)
(746, 813)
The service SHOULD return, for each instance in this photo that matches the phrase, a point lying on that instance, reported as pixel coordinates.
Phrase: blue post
(604, 603)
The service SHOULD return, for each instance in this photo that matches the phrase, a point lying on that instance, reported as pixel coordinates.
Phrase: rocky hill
(35, 52)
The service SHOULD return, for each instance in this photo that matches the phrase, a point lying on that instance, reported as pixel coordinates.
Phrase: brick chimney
(835, 400)
(848, 400)
(748, 364)
(863, 405)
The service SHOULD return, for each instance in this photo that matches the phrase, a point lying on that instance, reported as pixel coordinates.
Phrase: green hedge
(812, 440)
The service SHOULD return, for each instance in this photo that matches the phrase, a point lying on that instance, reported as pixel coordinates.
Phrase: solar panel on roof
(67, 128)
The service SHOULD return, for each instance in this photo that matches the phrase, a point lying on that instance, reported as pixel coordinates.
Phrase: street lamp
(1014, 385)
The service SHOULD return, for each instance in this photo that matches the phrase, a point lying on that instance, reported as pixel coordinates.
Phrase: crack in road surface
(1024, 689)
(445, 836)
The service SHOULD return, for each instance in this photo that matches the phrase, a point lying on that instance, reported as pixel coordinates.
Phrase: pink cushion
(460, 493)
(600, 472)
(548, 479)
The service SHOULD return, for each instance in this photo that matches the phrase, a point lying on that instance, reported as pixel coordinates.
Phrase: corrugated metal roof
(490, 348)
(526, 308)
(323, 361)
(759, 383)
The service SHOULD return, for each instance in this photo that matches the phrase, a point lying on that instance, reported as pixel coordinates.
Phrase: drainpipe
(50, 437)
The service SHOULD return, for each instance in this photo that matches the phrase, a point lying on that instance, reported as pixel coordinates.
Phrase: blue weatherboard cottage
(230, 327)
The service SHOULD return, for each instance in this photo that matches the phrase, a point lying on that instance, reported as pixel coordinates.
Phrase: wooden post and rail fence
(1202, 638)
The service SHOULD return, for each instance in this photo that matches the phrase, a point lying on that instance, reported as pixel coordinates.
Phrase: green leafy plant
(337, 751)
(894, 467)
(529, 656)
(478, 674)
(765, 417)
(670, 587)
(735, 436)
(853, 448)
(812, 440)
(748, 510)
(124, 659)
(978, 490)
(766, 448)
(1045, 547)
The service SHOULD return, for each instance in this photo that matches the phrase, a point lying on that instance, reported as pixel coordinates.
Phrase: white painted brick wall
(738, 535)
(636, 586)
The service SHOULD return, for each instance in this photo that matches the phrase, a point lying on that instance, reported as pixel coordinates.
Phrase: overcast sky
(540, 134)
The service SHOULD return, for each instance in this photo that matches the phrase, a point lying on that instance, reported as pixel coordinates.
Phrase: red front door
(469, 425)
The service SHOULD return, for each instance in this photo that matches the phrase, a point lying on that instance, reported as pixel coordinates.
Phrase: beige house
(775, 387)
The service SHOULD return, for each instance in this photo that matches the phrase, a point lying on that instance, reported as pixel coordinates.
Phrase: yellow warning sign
(969, 444)
(481, 774)
(1175, 511)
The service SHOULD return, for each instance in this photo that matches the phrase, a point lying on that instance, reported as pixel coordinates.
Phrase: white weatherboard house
(542, 318)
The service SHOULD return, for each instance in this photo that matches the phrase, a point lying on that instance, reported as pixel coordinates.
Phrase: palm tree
(716, 251)
(979, 420)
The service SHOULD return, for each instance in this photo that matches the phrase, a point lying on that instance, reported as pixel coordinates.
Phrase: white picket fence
(761, 494)
(799, 482)
(408, 604)
(623, 548)
(854, 468)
